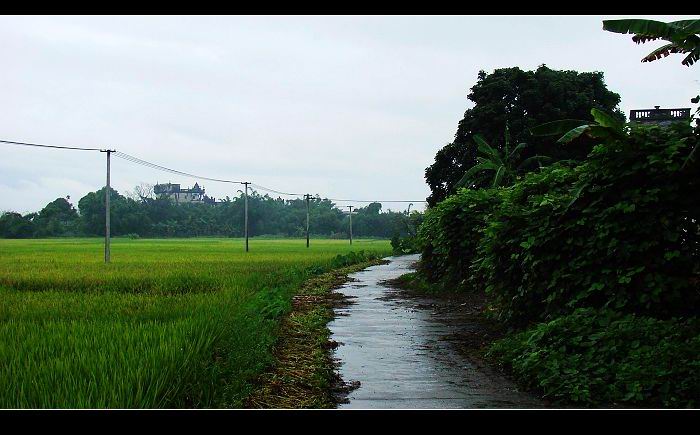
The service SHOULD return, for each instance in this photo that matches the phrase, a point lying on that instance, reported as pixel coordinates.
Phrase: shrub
(451, 232)
(619, 231)
(405, 245)
(599, 357)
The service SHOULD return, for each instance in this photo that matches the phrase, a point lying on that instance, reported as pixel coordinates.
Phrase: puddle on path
(395, 348)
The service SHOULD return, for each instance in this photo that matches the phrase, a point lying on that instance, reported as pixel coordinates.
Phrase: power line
(152, 165)
(48, 146)
(364, 200)
(267, 189)
(142, 162)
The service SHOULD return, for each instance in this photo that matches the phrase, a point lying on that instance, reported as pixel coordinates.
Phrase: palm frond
(693, 57)
(516, 149)
(556, 127)
(663, 51)
(498, 177)
(484, 148)
(468, 176)
(574, 133)
(688, 26)
(606, 120)
(648, 28)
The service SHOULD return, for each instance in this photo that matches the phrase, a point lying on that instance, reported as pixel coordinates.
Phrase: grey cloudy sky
(341, 106)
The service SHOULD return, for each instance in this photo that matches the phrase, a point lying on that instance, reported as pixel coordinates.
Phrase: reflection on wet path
(394, 348)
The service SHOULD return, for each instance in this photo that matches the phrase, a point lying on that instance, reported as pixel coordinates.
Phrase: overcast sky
(347, 107)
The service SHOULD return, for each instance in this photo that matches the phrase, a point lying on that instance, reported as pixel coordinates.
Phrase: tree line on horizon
(143, 216)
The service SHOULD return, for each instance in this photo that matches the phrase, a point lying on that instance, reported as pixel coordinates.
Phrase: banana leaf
(556, 127)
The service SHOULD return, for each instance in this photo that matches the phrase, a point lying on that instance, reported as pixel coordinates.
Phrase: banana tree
(604, 126)
(682, 36)
(497, 167)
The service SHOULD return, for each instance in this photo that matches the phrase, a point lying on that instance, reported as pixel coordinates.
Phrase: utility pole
(307, 197)
(246, 215)
(350, 207)
(107, 208)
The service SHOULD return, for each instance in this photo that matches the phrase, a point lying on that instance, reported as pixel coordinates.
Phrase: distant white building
(175, 193)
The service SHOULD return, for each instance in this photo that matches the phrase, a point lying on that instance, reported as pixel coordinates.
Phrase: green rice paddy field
(169, 323)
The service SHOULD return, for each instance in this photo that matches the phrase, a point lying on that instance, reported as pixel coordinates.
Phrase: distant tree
(521, 99)
(143, 192)
(57, 218)
(127, 217)
(682, 36)
(15, 226)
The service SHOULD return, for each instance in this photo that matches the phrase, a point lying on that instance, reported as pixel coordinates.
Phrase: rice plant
(169, 323)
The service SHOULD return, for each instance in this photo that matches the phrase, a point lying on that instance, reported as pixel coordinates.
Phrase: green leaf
(485, 148)
(606, 120)
(688, 26)
(498, 177)
(576, 195)
(516, 149)
(574, 133)
(467, 177)
(640, 27)
(556, 127)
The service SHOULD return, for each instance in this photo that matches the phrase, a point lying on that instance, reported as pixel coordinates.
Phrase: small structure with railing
(657, 115)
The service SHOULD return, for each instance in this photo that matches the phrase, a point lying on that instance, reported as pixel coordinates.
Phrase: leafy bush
(599, 263)
(599, 357)
(621, 231)
(405, 245)
(451, 232)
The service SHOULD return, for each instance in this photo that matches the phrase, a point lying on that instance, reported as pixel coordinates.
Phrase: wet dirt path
(396, 348)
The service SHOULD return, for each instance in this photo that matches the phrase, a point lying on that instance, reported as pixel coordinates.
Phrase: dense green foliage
(521, 100)
(496, 167)
(451, 233)
(591, 357)
(619, 232)
(169, 323)
(160, 217)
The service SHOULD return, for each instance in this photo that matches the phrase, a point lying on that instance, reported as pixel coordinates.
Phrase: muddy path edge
(304, 372)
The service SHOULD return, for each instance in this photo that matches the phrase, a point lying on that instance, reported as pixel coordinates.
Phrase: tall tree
(520, 99)
(58, 218)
